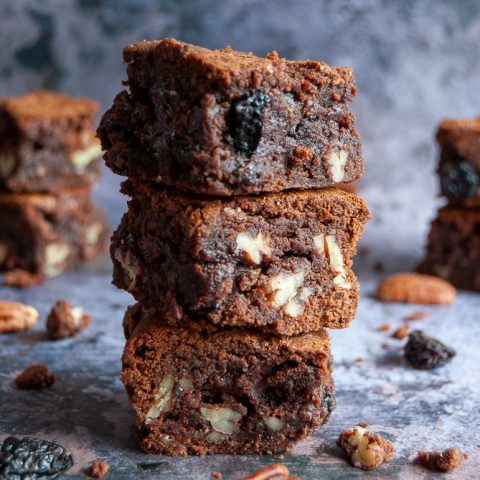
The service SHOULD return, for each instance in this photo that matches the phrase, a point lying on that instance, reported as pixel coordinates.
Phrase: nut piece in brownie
(459, 166)
(47, 235)
(227, 123)
(206, 389)
(279, 262)
(453, 247)
(47, 142)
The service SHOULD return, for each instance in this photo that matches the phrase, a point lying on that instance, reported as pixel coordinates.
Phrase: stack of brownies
(49, 162)
(237, 257)
(453, 250)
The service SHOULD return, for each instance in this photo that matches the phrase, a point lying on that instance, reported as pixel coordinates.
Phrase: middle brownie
(277, 262)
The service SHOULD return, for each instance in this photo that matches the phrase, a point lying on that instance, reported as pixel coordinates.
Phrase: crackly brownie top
(307, 342)
(41, 105)
(228, 65)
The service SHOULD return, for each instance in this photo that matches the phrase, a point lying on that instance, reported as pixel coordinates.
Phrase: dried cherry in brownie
(47, 235)
(47, 143)
(279, 262)
(221, 122)
(459, 166)
(453, 247)
(207, 389)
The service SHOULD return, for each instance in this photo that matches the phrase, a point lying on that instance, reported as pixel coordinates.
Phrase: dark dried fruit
(458, 179)
(32, 458)
(245, 123)
(425, 352)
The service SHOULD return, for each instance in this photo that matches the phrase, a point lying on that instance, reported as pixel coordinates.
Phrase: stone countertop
(87, 409)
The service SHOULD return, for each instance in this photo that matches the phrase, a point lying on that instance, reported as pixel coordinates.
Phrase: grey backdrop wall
(415, 62)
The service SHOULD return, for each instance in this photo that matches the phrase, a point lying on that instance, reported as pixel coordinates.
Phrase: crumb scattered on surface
(65, 321)
(359, 360)
(21, 279)
(97, 469)
(445, 461)
(401, 332)
(272, 472)
(16, 317)
(217, 475)
(416, 316)
(366, 450)
(362, 424)
(384, 327)
(35, 377)
(378, 267)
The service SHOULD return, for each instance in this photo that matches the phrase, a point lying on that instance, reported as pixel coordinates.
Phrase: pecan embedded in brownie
(48, 234)
(459, 165)
(206, 389)
(222, 122)
(453, 249)
(47, 142)
(279, 262)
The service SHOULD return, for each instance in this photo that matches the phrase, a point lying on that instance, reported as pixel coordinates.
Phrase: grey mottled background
(415, 61)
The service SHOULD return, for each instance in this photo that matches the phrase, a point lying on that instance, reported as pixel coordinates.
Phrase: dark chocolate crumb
(425, 353)
(35, 377)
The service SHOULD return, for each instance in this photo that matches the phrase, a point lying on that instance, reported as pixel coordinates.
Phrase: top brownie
(221, 122)
(47, 143)
(459, 166)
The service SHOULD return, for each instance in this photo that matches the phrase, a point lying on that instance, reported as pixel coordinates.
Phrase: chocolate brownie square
(459, 166)
(47, 143)
(222, 122)
(453, 249)
(279, 262)
(48, 234)
(206, 389)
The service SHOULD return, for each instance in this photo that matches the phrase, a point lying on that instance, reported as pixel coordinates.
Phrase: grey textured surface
(416, 62)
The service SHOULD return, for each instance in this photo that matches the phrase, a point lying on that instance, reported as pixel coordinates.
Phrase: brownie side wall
(69, 220)
(186, 261)
(175, 128)
(453, 248)
(254, 376)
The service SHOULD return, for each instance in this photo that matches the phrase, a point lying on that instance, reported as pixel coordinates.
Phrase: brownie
(221, 122)
(47, 143)
(48, 234)
(279, 261)
(459, 165)
(453, 249)
(207, 389)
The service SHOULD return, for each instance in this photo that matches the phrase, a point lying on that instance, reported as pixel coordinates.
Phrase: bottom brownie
(46, 235)
(207, 390)
(453, 250)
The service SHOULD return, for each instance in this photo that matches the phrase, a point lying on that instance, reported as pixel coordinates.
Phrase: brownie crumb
(401, 332)
(425, 353)
(35, 377)
(65, 321)
(366, 450)
(416, 316)
(384, 327)
(378, 267)
(445, 461)
(97, 469)
(362, 424)
(18, 278)
(273, 472)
